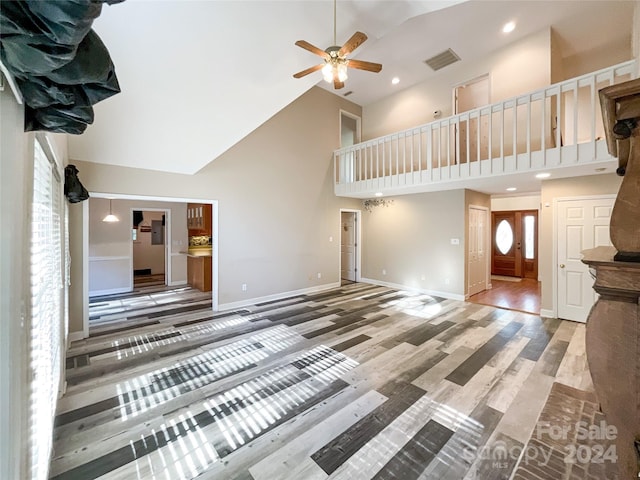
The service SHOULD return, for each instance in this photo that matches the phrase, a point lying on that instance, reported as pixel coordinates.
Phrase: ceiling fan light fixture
(333, 66)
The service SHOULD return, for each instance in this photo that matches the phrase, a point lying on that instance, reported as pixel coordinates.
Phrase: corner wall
(277, 210)
(411, 241)
(15, 182)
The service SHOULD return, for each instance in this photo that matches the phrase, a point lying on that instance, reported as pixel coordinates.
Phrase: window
(529, 237)
(504, 237)
(47, 308)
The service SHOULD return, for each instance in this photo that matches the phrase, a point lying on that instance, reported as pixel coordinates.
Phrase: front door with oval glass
(515, 243)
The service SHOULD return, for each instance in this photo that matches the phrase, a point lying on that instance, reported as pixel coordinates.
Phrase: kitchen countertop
(197, 252)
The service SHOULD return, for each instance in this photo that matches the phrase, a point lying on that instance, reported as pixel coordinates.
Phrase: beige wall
(415, 105)
(554, 189)
(411, 238)
(478, 199)
(604, 56)
(277, 210)
(16, 187)
(520, 202)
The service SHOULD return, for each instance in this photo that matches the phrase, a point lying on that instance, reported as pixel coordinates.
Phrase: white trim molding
(544, 312)
(74, 337)
(111, 291)
(278, 296)
(397, 286)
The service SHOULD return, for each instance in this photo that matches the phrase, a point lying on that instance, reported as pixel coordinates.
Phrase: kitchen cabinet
(199, 219)
(199, 272)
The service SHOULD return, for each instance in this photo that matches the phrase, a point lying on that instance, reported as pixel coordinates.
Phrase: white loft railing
(553, 127)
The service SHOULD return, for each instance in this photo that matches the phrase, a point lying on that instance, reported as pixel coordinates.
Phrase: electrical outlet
(244, 287)
(331, 239)
(447, 281)
(384, 272)
(455, 241)
(423, 277)
(319, 275)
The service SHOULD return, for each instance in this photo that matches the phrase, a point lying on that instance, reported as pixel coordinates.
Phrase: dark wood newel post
(613, 326)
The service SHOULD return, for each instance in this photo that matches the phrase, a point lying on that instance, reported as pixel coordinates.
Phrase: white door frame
(555, 233)
(167, 242)
(487, 245)
(85, 245)
(358, 234)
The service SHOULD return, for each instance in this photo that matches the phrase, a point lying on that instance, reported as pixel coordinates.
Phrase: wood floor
(360, 382)
(523, 295)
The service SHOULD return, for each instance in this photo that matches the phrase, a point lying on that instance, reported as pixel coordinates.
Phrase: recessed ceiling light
(511, 189)
(378, 194)
(543, 175)
(509, 27)
(395, 80)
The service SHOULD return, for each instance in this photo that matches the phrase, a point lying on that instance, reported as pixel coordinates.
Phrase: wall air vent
(442, 59)
(346, 94)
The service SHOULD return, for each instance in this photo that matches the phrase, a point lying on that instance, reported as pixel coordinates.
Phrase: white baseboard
(75, 336)
(547, 313)
(450, 296)
(277, 296)
(112, 291)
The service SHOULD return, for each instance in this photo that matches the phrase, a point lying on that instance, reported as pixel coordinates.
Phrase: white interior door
(477, 249)
(348, 246)
(582, 224)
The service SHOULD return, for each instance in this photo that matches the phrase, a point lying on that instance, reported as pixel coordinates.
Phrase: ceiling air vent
(442, 59)
(346, 94)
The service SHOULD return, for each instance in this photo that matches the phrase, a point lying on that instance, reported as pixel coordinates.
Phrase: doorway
(477, 249)
(149, 252)
(349, 246)
(514, 251)
(582, 223)
(350, 134)
(471, 134)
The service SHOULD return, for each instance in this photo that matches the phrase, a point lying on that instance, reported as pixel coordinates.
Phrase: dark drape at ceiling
(59, 63)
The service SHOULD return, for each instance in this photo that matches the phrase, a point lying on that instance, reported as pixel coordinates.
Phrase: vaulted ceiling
(198, 76)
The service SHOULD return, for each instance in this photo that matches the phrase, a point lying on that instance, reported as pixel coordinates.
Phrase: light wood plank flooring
(360, 382)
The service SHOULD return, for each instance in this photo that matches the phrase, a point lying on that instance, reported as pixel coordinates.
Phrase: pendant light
(111, 217)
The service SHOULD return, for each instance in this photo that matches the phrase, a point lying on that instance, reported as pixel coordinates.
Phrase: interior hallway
(357, 382)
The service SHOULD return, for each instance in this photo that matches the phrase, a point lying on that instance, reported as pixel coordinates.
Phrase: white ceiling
(198, 76)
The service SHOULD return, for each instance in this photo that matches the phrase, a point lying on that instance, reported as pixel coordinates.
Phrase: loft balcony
(555, 129)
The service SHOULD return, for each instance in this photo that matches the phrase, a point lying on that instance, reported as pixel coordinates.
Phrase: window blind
(46, 310)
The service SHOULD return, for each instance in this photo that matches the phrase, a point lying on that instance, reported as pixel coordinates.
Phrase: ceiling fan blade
(311, 48)
(354, 42)
(362, 65)
(309, 70)
(337, 84)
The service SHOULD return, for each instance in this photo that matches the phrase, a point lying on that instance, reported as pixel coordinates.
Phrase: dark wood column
(613, 326)
(613, 350)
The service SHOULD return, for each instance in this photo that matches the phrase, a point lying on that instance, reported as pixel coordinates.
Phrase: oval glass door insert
(504, 237)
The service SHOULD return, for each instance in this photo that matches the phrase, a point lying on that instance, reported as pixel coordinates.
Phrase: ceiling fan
(334, 68)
